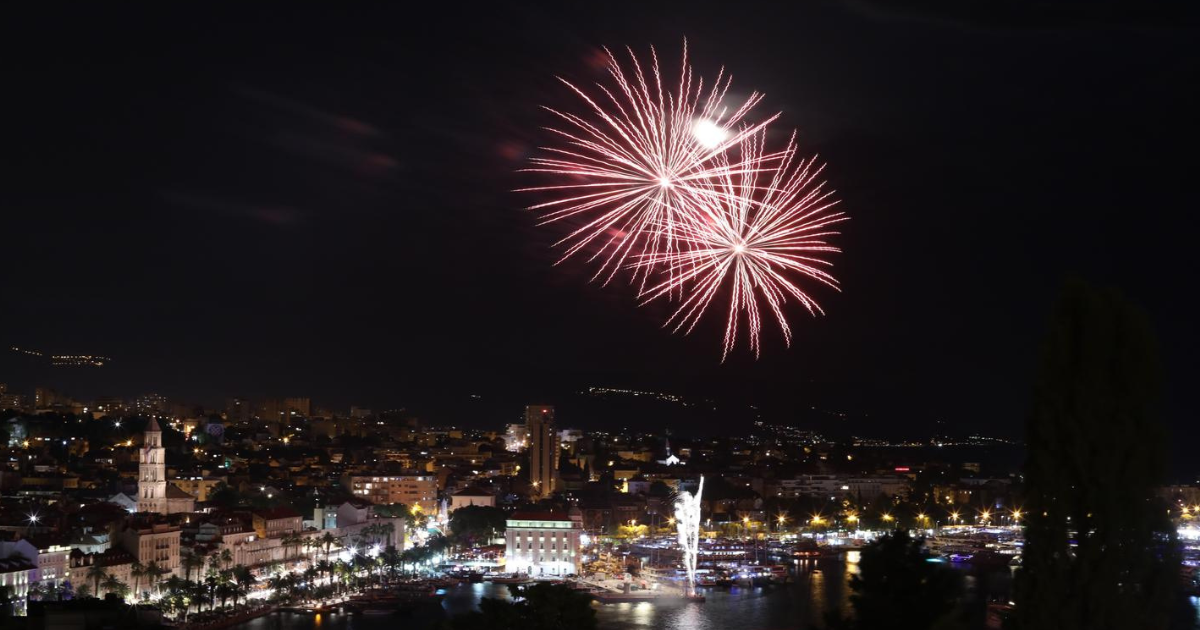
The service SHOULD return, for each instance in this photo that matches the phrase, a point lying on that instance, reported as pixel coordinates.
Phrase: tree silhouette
(476, 524)
(1096, 453)
(898, 587)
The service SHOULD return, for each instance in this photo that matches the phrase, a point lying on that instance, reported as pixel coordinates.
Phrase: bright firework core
(739, 248)
(664, 181)
(687, 524)
(708, 134)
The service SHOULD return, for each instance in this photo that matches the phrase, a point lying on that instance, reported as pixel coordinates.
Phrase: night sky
(269, 202)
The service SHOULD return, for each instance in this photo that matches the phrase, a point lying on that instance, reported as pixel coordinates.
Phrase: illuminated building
(10, 401)
(154, 494)
(471, 496)
(108, 405)
(415, 491)
(153, 541)
(542, 543)
(150, 403)
(543, 448)
(152, 471)
(18, 569)
(277, 522)
(516, 438)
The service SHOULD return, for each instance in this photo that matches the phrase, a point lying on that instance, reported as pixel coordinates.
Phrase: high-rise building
(298, 406)
(416, 491)
(109, 405)
(284, 410)
(237, 410)
(152, 471)
(44, 398)
(543, 448)
(10, 401)
(150, 404)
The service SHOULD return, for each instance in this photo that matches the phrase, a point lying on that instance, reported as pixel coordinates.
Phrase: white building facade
(542, 543)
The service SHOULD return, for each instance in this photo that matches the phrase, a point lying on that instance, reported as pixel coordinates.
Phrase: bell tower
(152, 472)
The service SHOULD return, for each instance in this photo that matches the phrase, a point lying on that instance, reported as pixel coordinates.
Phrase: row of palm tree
(364, 568)
(103, 583)
(226, 585)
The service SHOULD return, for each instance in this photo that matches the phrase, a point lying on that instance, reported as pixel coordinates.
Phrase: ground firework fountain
(687, 522)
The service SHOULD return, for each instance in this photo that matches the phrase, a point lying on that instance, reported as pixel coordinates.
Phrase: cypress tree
(1096, 455)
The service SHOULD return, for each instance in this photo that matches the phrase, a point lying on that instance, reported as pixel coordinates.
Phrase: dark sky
(317, 203)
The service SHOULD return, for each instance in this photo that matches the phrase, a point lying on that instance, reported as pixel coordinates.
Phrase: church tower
(152, 472)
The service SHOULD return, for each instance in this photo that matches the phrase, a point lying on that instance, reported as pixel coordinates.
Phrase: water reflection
(816, 587)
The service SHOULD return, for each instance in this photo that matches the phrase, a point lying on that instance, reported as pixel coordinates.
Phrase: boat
(989, 558)
(509, 579)
(706, 580)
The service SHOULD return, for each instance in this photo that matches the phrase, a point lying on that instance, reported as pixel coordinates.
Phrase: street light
(888, 518)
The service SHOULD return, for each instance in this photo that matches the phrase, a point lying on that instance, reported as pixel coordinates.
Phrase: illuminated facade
(152, 471)
(153, 541)
(542, 543)
(419, 491)
(516, 439)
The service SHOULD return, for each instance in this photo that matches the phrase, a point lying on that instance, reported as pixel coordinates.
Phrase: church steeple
(152, 471)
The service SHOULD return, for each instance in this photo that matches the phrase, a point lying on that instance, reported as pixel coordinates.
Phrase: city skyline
(600, 316)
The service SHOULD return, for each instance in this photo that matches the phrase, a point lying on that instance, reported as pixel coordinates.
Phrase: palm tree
(36, 592)
(391, 559)
(238, 590)
(112, 584)
(224, 586)
(244, 578)
(214, 564)
(324, 567)
(191, 561)
(328, 540)
(154, 573)
(137, 572)
(290, 541)
(227, 557)
(96, 573)
(175, 584)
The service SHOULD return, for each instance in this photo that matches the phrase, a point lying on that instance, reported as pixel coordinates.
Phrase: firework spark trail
(639, 157)
(750, 235)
